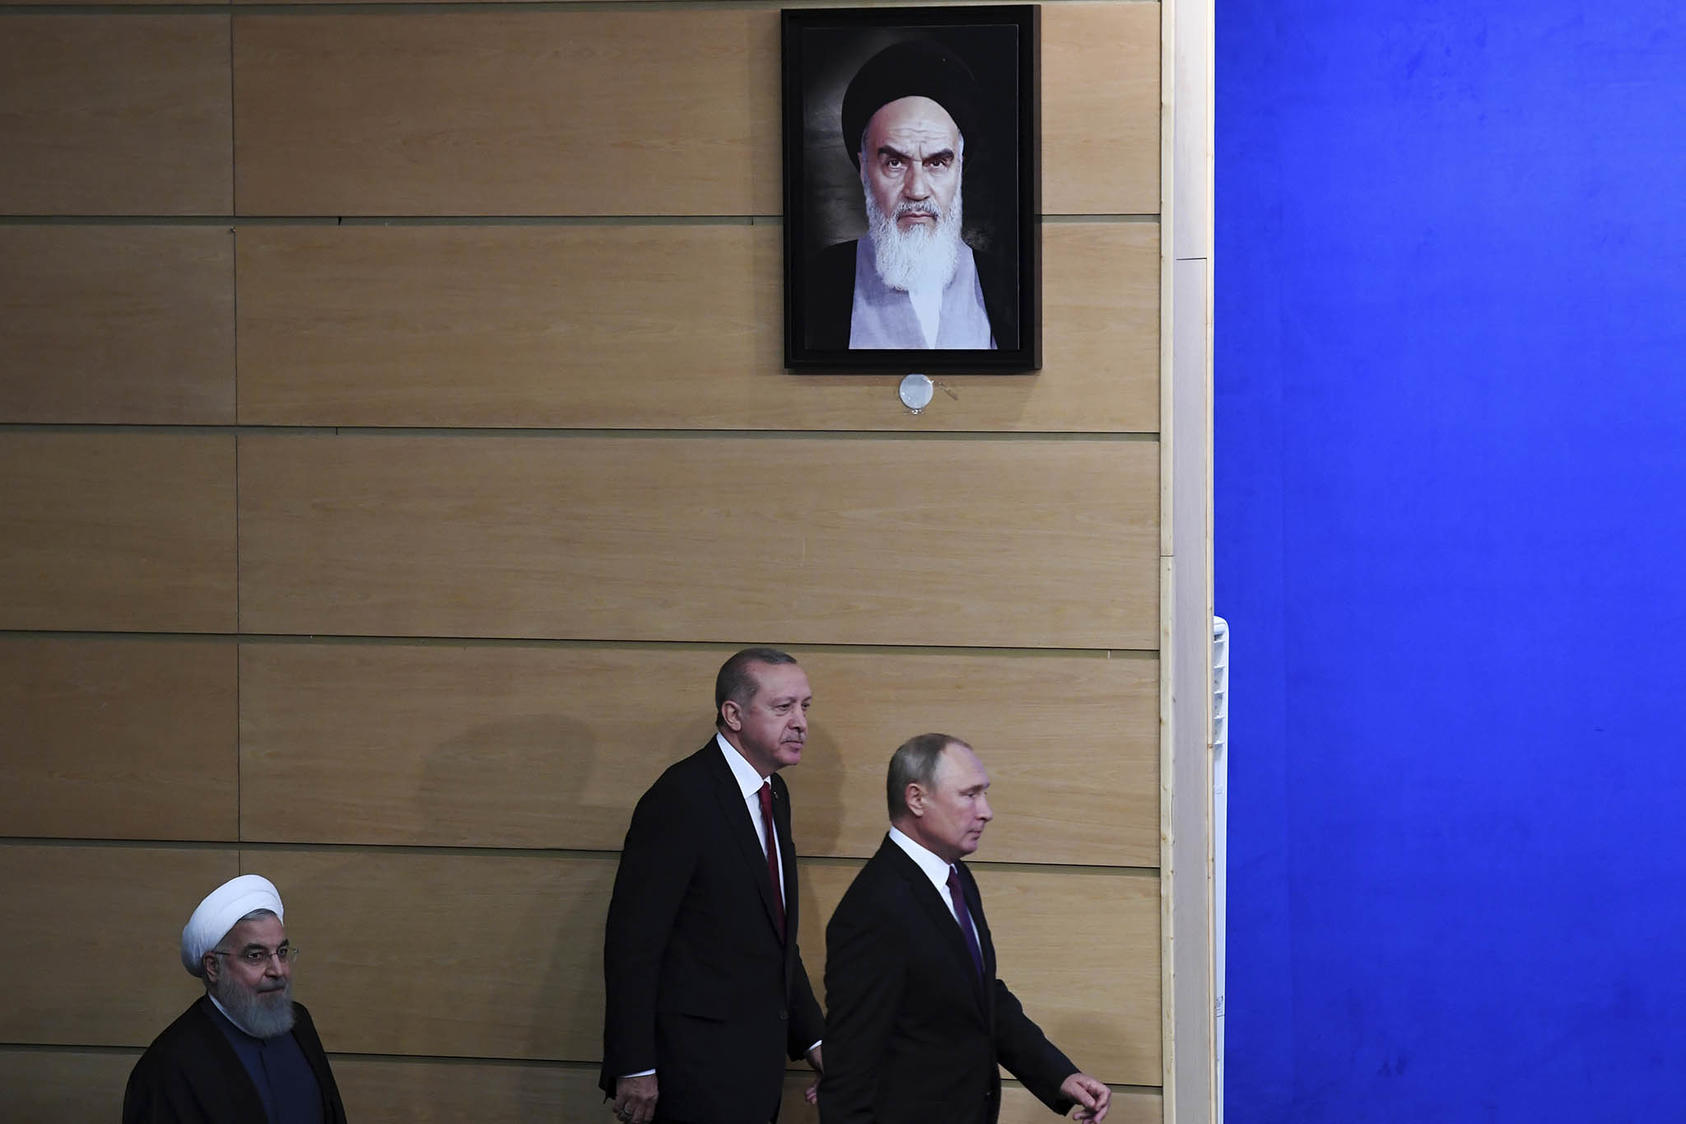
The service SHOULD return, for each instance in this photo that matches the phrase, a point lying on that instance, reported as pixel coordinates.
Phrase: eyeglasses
(259, 957)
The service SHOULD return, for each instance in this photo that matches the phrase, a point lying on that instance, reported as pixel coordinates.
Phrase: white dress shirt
(749, 783)
(935, 869)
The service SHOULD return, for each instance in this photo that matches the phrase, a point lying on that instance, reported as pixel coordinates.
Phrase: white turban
(221, 910)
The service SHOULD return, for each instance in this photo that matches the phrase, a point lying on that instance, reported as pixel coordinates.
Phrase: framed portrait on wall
(912, 189)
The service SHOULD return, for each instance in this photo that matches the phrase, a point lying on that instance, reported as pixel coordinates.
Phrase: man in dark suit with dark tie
(706, 993)
(917, 1019)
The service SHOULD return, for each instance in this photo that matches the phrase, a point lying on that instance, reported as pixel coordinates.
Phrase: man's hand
(635, 1099)
(1092, 1097)
(812, 1092)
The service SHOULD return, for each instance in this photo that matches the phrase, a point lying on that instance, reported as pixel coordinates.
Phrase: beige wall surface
(117, 324)
(393, 441)
(546, 746)
(115, 115)
(612, 327)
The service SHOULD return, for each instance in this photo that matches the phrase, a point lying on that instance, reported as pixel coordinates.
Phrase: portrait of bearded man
(912, 120)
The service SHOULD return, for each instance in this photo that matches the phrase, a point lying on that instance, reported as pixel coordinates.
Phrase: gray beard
(260, 1014)
(920, 258)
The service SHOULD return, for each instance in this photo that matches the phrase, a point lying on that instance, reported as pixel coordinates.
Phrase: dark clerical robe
(193, 1075)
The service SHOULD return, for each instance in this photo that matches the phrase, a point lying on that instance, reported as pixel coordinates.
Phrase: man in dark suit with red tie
(706, 995)
(918, 1020)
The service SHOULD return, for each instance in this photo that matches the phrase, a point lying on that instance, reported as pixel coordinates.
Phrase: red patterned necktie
(772, 852)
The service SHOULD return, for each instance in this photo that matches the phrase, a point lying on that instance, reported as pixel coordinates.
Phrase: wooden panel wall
(393, 441)
(515, 745)
(117, 324)
(119, 115)
(605, 326)
(125, 530)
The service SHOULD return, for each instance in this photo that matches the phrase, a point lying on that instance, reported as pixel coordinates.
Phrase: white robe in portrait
(885, 318)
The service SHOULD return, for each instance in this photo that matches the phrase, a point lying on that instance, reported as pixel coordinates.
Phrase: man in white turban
(244, 1051)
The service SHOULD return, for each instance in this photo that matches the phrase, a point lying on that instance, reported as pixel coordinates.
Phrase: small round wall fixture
(916, 392)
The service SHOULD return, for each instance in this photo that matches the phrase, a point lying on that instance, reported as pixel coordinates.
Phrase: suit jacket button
(784, 1016)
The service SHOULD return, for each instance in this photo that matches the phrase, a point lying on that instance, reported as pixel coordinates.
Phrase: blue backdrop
(1451, 544)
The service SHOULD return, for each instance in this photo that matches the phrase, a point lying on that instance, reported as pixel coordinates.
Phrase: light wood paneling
(1100, 109)
(511, 113)
(508, 1092)
(505, 113)
(1129, 1106)
(120, 905)
(1070, 744)
(117, 324)
(550, 747)
(55, 1086)
(502, 953)
(1080, 949)
(118, 739)
(614, 327)
(488, 956)
(413, 1091)
(113, 3)
(115, 114)
(117, 531)
(856, 541)
(891, 555)
(1017, 1106)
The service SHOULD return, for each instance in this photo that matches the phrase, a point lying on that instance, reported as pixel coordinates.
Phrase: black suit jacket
(699, 986)
(912, 1034)
(191, 1075)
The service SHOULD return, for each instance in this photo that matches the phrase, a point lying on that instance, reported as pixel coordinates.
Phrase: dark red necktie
(772, 852)
(964, 916)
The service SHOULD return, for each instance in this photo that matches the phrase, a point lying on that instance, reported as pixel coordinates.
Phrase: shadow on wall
(539, 784)
(816, 785)
(551, 789)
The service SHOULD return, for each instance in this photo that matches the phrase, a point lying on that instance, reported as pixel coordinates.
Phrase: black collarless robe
(191, 1075)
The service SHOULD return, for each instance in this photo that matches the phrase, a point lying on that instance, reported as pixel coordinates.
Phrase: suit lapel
(734, 807)
(933, 903)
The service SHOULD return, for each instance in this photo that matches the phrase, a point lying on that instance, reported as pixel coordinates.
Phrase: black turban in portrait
(913, 68)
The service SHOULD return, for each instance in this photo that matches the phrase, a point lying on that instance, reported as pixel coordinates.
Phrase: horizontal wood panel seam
(401, 7)
(507, 852)
(464, 1060)
(135, 219)
(377, 641)
(467, 431)
(1065, 218)
(69, 1048)
(1064, 437)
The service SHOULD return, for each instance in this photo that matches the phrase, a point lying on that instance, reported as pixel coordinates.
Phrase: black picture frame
(825, 51)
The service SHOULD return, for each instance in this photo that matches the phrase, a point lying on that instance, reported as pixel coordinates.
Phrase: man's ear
(732, 714)
(212, 968)
(915, 798)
